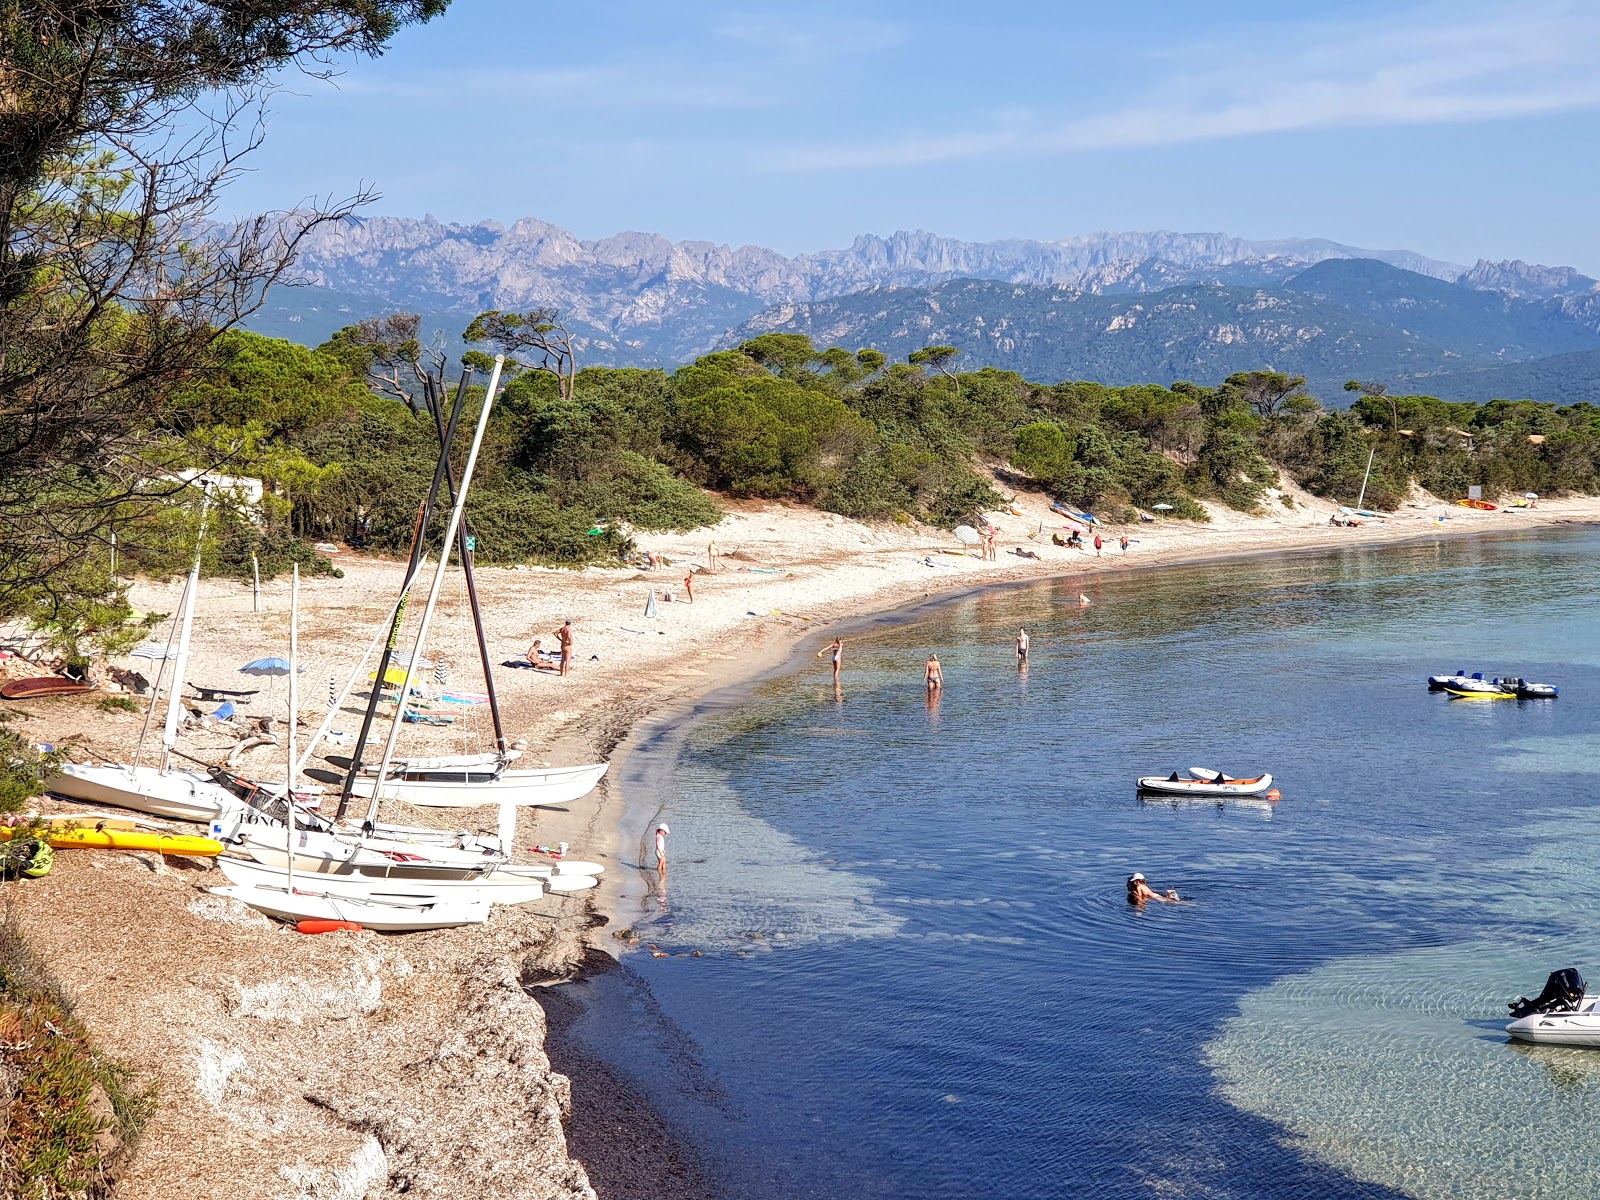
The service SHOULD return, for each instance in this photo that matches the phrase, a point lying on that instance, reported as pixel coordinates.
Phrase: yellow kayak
(1481, 695)
(87, 837)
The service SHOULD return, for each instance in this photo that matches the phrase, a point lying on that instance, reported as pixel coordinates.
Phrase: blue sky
(1458, 130)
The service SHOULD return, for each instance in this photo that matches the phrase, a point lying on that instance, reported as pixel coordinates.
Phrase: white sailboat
(161, 791)
(360, 885)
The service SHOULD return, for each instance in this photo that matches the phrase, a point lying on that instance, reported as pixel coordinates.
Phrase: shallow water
(919, 977)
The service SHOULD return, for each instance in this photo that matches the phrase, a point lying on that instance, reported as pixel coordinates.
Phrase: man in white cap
(1139, 891)
(661, 847)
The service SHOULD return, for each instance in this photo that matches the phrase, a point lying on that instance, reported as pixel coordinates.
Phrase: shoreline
(792, 577)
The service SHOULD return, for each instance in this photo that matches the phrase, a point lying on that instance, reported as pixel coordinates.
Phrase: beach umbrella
(403, 658)
(155, 651)
(269, 667)
(333, 693)
(966, 535)
(650, 604)
(1530, 495)
(439, 674)
(1162, 507)
(393, 677)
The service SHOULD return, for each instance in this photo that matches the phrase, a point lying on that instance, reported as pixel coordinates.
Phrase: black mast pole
(439, 472)
(462, 542)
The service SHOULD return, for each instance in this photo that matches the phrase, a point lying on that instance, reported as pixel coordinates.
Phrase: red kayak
(323, 925)
(45, 685)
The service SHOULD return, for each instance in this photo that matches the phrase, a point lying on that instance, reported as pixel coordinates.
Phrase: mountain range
(1119, 308)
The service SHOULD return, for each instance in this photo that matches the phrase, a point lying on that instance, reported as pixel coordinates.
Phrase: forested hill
(1338, 320)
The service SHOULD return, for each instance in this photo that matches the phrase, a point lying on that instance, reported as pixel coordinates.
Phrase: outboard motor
(1563, 992)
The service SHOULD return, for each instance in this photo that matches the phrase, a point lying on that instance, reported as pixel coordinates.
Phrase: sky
(1460, 130)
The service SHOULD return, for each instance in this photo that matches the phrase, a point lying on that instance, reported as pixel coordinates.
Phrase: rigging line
(423, 515)
(452, 528)
(466, 565)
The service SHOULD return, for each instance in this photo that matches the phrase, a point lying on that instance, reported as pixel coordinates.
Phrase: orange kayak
(1484, 505)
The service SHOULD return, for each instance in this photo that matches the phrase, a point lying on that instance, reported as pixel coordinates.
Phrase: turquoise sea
(919, 978)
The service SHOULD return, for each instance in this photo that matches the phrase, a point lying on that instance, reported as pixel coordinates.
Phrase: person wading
(837, 648)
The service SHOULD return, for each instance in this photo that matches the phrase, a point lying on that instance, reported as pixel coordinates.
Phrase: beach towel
(416, 718)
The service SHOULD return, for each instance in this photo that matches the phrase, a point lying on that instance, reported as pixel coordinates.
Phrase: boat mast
(169, 733)
(433, 593)
(355, 675)
(1364, 477)
(294, 707)
(465, 547)
(398, 619)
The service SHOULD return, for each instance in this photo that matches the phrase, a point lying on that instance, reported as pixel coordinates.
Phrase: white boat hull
(1167, 786)
(1581, 1028)
(383, 916)
(321, 853)
(361, 885)
(550, 786)
(179, 795)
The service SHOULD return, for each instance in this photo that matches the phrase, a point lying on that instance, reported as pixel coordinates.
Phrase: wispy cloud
(811, 37)
(1428, 66)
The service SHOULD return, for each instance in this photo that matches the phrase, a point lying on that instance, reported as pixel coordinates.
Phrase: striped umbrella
(333, 693)
(439, 673)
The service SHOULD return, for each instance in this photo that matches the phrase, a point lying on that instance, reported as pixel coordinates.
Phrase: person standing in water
(661, 847)
(933, 674)
(1022, 647)
(837, 647)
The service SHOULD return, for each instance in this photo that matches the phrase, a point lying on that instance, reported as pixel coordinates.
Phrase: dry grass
(69, 1115)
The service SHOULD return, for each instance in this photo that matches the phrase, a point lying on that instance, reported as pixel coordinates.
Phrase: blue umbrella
(266, 666)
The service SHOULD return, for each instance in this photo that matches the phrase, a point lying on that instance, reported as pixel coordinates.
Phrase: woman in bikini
(837, 647)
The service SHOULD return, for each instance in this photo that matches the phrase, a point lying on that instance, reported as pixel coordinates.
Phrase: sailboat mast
(463, 544)
(169, 733)
(398, 619)
(294, 710)
(433, 593)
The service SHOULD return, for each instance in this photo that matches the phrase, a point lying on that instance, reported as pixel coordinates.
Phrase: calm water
(919, 975)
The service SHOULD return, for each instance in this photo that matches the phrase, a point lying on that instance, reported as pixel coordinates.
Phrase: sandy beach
(354, 1065)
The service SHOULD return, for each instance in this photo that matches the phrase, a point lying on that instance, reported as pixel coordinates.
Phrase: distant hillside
(1331, 323)
(1476, 324)
(638, 298)
(1563, 378)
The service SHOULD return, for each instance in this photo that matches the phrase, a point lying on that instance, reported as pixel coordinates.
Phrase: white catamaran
(161, 790)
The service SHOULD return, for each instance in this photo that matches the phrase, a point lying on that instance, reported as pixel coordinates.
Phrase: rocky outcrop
(1525, 280)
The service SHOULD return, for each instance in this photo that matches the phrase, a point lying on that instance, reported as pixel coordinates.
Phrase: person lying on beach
(1139, 891)
(1021, 553)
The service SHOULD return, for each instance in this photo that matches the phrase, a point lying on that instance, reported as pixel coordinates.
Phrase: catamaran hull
(555, 786)
(319, 853)
(363, 886)
(385, 917)
(180, 795)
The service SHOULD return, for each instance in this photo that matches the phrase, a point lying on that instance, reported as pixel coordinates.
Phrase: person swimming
(1139, 891)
